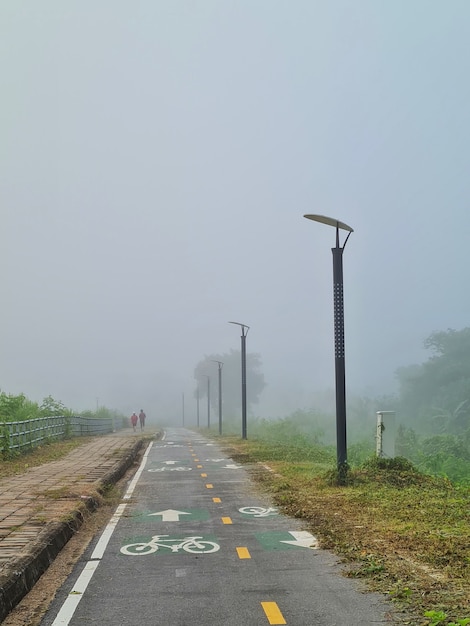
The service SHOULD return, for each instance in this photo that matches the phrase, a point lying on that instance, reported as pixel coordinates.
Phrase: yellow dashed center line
(216, 500)
(196, 460)
(209, 486)
(273, 613)
(226, 520)
(199, 466)
(204, 475)
(243, 553)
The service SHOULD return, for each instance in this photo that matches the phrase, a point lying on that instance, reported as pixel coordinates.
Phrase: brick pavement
(41, 509)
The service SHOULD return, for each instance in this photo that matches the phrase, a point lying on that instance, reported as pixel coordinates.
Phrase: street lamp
(208, 400)
(197, 403)
(341, 448)
(220, 393)
(244, 334)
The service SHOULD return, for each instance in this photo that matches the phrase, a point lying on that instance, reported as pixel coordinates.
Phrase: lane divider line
(209, 486)
(226, 520)
(204, 475)
(273, 613)
(243, 553)
(69, 607)
(216, 500)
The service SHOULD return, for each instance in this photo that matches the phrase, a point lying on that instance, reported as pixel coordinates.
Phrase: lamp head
(330, 221)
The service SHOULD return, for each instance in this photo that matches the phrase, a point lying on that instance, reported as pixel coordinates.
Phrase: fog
(157, 160)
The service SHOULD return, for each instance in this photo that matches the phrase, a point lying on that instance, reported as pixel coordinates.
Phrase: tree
(437, 393)
(231, 387)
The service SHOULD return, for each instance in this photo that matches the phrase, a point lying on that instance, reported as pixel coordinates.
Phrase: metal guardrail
(30, 433)
(91, 425)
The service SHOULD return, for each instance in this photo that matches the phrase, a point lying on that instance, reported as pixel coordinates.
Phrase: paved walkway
(41, 509)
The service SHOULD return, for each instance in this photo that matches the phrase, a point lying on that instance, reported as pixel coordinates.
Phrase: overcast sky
(156, 160)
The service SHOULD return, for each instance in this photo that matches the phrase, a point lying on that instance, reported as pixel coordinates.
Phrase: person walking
(142, 417)
(134, 420)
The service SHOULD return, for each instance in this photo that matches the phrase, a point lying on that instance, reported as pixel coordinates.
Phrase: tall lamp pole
(245, 330)
(208, 400)
(220, 364)
(340, 376)
(197, 404)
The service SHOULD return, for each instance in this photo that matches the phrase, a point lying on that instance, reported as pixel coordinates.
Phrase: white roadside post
(386, 433)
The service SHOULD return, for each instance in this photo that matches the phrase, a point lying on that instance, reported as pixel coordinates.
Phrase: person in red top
(142, 417)
(134, 420)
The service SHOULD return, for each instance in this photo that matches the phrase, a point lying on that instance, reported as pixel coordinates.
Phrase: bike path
(196, 543)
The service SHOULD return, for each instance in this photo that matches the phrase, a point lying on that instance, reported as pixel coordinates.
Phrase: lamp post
(340, 377)
(220, 364)
(208, 400)
(197, 404)
(245, 330)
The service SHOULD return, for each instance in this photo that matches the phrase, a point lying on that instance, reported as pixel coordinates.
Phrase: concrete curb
(53, 538)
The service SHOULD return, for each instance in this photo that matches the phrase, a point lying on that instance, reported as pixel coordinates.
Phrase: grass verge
(405, 533)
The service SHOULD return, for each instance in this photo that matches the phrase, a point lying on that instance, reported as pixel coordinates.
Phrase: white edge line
(107, 532)
(70, 605)
(131, 487)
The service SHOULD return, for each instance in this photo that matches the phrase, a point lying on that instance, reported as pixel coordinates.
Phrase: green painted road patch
(287, 540)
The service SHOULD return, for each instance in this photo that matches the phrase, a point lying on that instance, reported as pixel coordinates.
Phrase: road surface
(195, 543)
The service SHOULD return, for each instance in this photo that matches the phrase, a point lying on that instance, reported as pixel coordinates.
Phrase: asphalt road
(194, 543)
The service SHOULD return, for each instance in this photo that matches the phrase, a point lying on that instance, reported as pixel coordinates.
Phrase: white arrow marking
(170, 515)
(303, 539)
(170, 469)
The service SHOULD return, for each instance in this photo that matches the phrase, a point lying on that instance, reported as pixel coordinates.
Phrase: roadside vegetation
(402, 530)
(18, 408)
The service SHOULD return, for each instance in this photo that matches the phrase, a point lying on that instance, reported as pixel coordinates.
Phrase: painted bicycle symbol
(258, 511)
(188, 544)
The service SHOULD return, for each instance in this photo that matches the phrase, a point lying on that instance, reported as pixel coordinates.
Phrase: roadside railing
(91, 425)
(16, 436)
